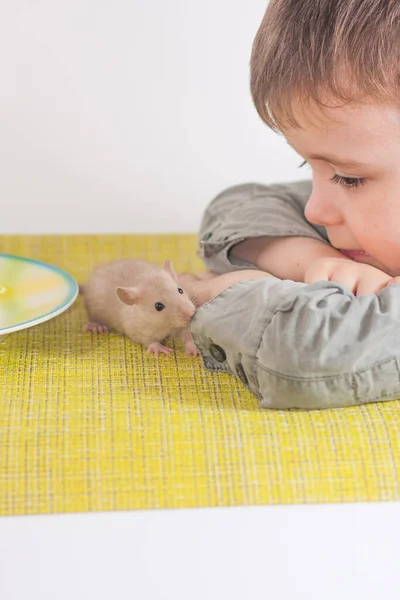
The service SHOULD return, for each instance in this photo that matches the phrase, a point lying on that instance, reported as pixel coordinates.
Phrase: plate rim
(54, 313)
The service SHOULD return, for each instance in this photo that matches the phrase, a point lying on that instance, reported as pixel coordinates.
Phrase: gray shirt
(293, 345)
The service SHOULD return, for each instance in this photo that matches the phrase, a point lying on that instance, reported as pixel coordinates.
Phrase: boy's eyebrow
(352, 164)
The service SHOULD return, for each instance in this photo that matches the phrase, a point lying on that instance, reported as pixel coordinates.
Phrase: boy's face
(355, 157)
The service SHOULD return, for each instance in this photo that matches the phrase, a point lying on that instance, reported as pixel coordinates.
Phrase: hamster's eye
(159, 306)
(180, 290)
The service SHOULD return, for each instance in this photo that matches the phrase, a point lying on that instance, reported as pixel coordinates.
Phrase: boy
(325, 73)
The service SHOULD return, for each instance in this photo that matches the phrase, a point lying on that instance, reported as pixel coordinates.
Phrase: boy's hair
(312, 51)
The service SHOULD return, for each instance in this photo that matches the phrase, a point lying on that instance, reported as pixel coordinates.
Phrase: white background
(128, 115)
(332, 552)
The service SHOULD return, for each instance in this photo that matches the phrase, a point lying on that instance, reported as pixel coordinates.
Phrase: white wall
(128, 116)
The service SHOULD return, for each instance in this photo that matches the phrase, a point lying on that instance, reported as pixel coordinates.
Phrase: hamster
(141, 301)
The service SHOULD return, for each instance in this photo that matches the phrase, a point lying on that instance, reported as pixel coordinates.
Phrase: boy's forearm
(284, 257)
(205, 286)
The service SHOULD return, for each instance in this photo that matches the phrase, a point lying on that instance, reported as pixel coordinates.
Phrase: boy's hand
(394, 280)
(360, 278)
(203, 287)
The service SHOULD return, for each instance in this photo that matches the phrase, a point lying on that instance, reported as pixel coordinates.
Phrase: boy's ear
(128, 295)
(169, 269)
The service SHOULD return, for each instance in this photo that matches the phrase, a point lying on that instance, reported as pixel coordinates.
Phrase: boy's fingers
(343, 277)
(316, 273)
(348, 280)
(375, 285)
(393, 280)
(367, 287)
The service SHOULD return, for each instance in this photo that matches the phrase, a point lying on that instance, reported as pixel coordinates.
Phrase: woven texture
(90, 423)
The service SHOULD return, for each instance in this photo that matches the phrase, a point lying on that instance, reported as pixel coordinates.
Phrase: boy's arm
(284, 257)
(302, 346)
(263, 226)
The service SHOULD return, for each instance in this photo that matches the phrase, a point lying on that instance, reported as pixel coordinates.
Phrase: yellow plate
(32, 292)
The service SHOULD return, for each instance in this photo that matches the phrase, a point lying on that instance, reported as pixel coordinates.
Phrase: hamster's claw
(191, 350)
(95, 327)
(157, 348)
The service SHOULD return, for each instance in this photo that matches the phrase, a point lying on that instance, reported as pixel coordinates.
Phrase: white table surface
(330, 552)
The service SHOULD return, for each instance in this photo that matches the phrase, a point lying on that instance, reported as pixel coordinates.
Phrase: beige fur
(122, 295)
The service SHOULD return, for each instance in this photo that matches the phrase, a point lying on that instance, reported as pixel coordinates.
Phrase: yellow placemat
(93, 423)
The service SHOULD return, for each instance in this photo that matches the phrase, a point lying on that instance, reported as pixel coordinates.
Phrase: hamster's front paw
(190, 347)
(95, 327)
(157, 348)
(191, 350)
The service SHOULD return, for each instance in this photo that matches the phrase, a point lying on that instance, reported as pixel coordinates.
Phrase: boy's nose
(322, 210)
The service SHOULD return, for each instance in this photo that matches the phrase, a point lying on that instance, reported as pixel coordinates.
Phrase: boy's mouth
(357, 255)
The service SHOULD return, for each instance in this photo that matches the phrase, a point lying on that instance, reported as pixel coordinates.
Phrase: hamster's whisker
(193, 297)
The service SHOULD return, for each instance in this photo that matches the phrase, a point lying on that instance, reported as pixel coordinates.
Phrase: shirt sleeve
(304, 346)
(253, 210)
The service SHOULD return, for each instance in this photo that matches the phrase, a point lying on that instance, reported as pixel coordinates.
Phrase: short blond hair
(304, 48)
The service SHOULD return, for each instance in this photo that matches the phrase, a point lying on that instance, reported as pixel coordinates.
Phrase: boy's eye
(349, 182)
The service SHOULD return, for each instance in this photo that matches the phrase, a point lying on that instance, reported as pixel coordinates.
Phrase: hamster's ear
(168, 268)
(128, 295)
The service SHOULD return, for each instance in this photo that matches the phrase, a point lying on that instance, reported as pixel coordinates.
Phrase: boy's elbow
(308, 378)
